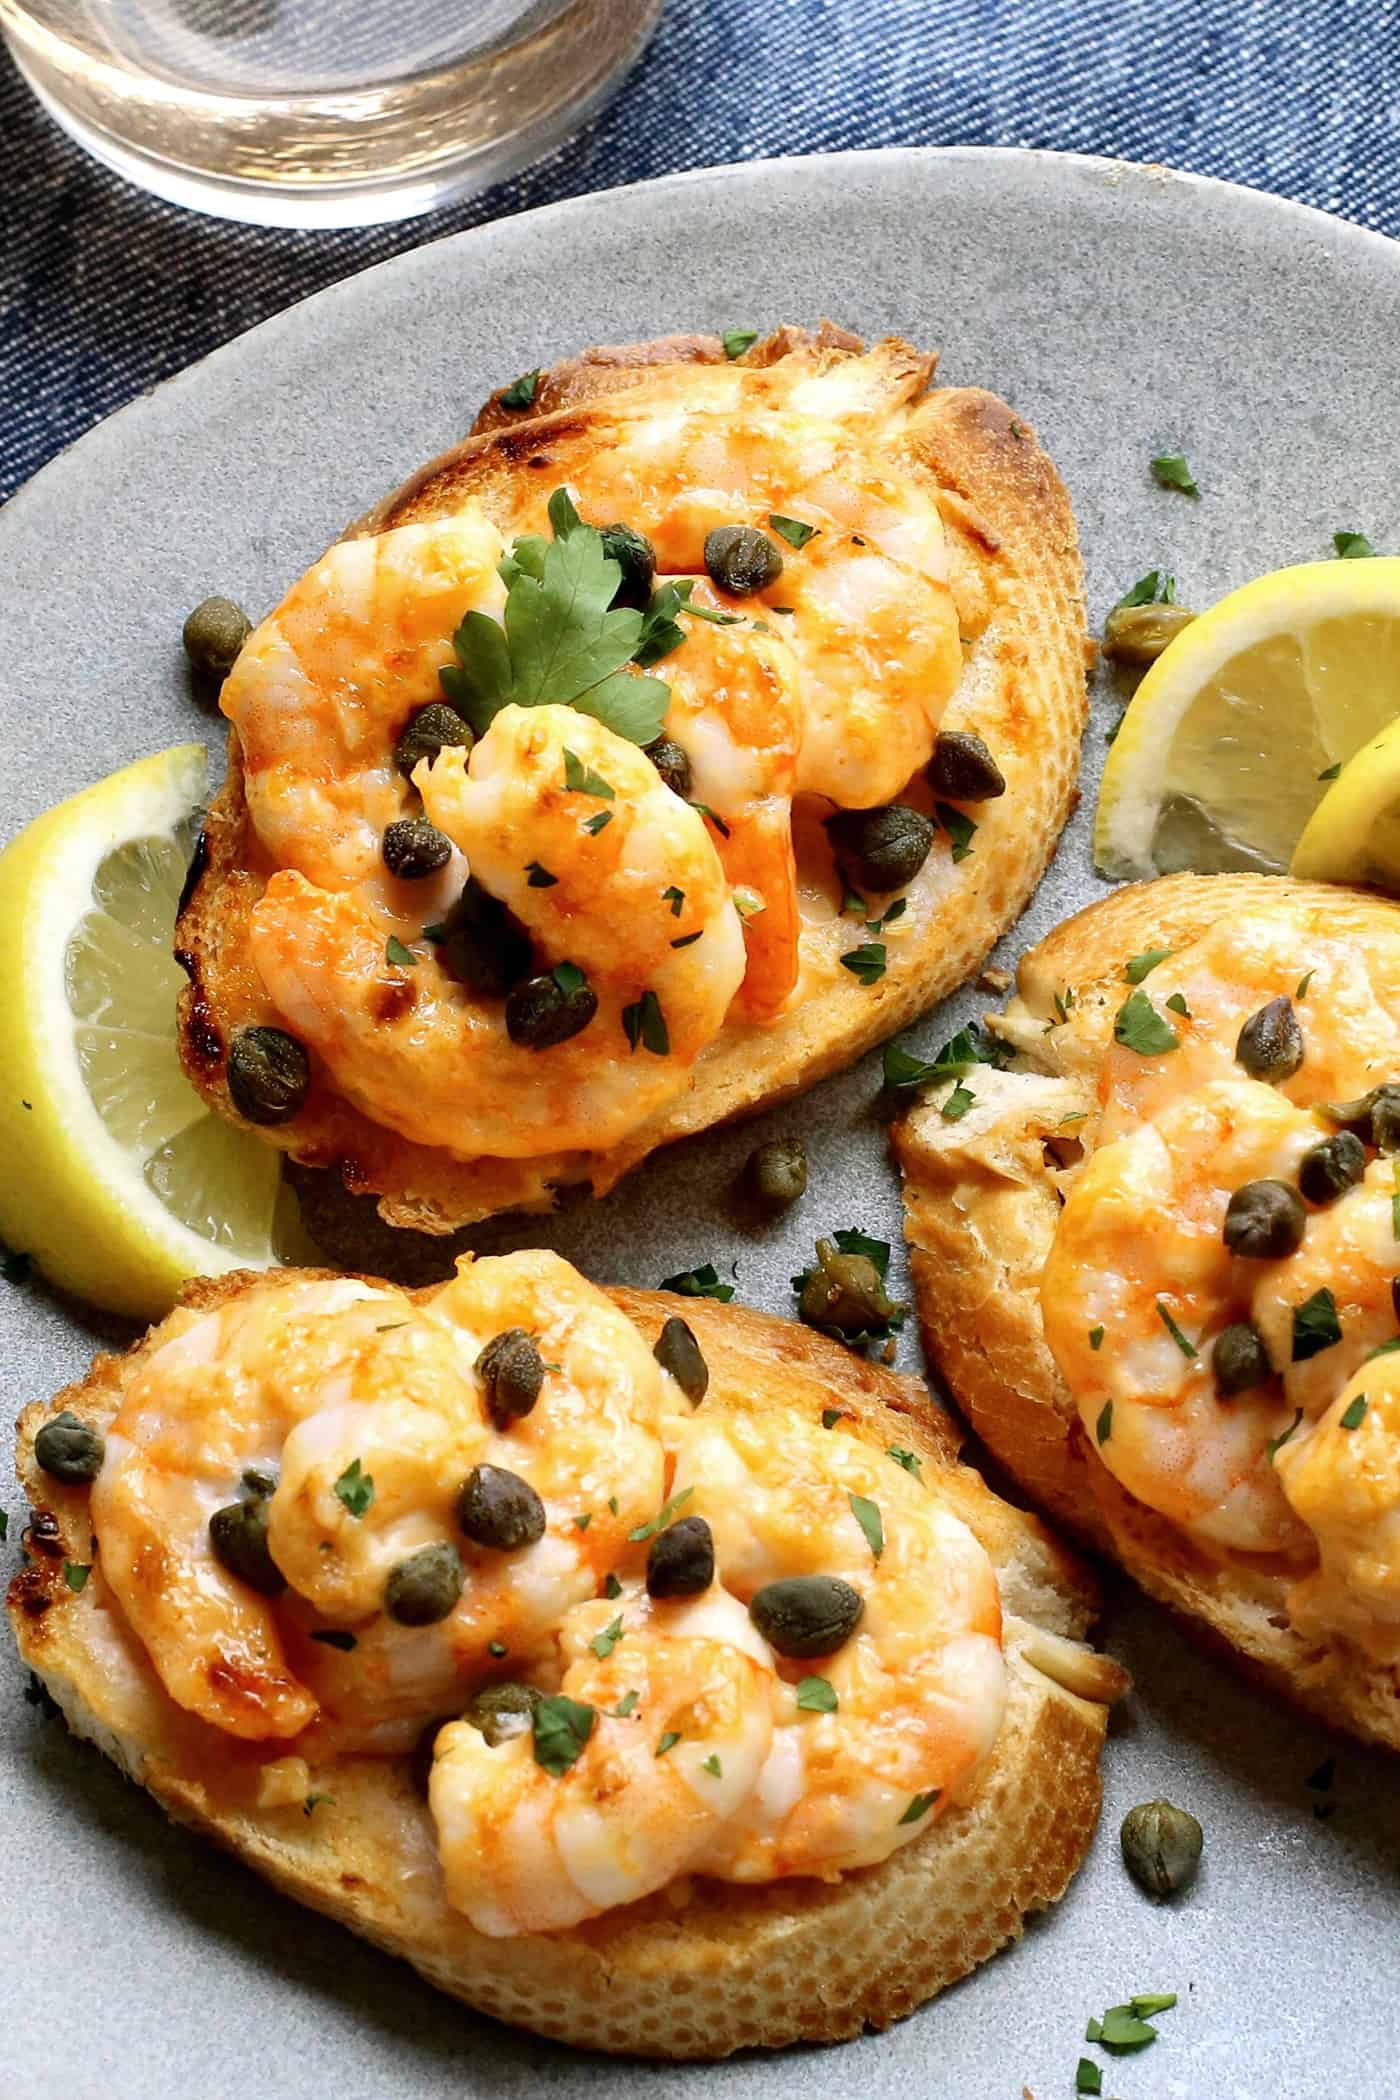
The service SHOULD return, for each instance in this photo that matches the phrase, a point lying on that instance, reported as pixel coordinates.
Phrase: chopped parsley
(832, 1415)
(643, 1022)
(1139, 1026)
(737, 340)
(599, 823)
(603, 1643)
(522, 391)
(970, 1046)
(866, 962)
(675, 898)
(1303, 982)
(333, 1637)
(396, 953)
(959, 827)
(792, 529)
(702, 1282)
(668, 1741)
(580, 779)
(313, 1801)
(539, 877)
(1315, 1325)
(585, 1520)
(867, 1515)
(816, 1695)
(1138, 966)
(1176, 1004)
(1276, 1443)
(920, 1805)
(1088, 2078)
(1354, 1413)
(1096, 1338)
(957, 1104)
(625, 1705)
(561, 1729)
(710, 817)
(1170, 471)
(75, 1575)
(688, 940)
(1352, 546)
(661, 1519)
(1103, 1428)
(910, 1460)
(1183, 1341)
(612, 1588)
(1155, 588)
(496, 1648)
(4, 1525)
(355, 1489)
(713, 1766)
(1330, 772)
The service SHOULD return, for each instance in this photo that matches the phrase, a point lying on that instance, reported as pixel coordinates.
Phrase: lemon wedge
(119, 1182)
(1354, 833)
(1227, 746)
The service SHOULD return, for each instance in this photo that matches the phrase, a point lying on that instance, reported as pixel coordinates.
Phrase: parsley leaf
(1183, 1341)
(580, 779)
(561, 1728)
(910, 1460)
(1352, 546)
(355, 1489)
(1096, 1338)
(75, 1575)
(1330, 772)
(1103, 1428)
(1315, 1325)
(1303, 982)
(1176, 1004)
(562, 640)
(598, 823)
(713, 1766)
(832, 1415)
(1276, 1443)
(959, 827)
(1155, 588)
(522, 391)
(538, 876)
(675, 898)
(603, 1643)
(866, 962)
(702, 1282)
(970, 1046)
(643, 1022)
(333, 1637)
(1170, 471)
(1121, 2031)
(625, 1705)
(792, 529)
(313, 1802)
(1088, 2078)
(1138, 966)
(1354, 1413)
(661, 1519)
(395, 952)
(816, 1695)
(920, 1805)
(867, 1515)
(612, 1588)
(737, 340)
(668, 1742)
(4, 1525)
(1139, 1026)
(957, 1104)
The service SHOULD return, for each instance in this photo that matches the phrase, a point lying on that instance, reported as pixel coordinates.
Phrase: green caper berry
(269, 1075)
(1161, 1847)
(496, 1508)
(678, 1352)
(1327, 1170)
(636, 557)
(681, 1559)
(844, 1292)
(413, 848)
(1270, 1045)
(777, 1172)
(70, 1450)
(1265, 1221)
(804, 1615)
(880, 849)
(511, 1369)
(213, 635)
(1374, 1117)
(483, 944)
(423, 1588)
(962, 769)
(1239, 1359)
(672, 764)
(740, 559)
(238, 1535)
(501, 1711)
(432, 729)
(1137, 634)
(540, 1013)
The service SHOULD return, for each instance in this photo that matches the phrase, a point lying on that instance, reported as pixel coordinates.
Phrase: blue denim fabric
(104, 291)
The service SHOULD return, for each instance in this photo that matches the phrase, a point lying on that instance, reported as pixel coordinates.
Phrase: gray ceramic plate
(1125, 310)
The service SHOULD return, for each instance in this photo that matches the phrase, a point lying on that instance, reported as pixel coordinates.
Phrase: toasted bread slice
(982, 1202)
(1018, 588)
(700, 1969)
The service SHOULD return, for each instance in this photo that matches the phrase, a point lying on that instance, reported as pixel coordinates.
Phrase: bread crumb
(284, 1781)
(995, 980)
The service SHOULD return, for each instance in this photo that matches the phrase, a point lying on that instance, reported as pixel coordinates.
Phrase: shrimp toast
(1156, 1263)
(956, 610)
(703, 1965)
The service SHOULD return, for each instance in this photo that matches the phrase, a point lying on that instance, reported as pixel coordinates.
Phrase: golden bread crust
(1018, 584)
(698, 1970)
(981, 1208)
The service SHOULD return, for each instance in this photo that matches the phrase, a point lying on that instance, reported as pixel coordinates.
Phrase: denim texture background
(104, 291)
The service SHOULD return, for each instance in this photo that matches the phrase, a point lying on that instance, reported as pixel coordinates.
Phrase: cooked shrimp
(424, 1056)
(919, 1684)
(1342, 1476)
(1349, 1014)
(1350, 1250)
(323, 687)
(1139, 1259)
(679, 1718)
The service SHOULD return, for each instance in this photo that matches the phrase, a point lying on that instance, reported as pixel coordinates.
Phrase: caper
(413, 848)
(963, 769)
(777, 1172)
(69, 1449)
(880, 849)
(803, 1615)
(678, 1352)
(740, 559)
(845, 1292)
(636, 557)
(424, 1587)
(1327, 1170)
(1161, 1847)
(501, 1711)
(681, 1559)
(269, 1075)
(542, 1012)
(1270, 1044)
(435, 728)
(1265, 1221)
(1137, 634)
(238, 1535)
(1239, 1359)
(511, 1369)
(672, 764)
(497, 1508)
(483, 944)
(1373, 1117)
(213, 635)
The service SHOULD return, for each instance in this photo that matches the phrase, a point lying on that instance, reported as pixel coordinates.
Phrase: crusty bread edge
(977, 1228)
(693, 1972)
